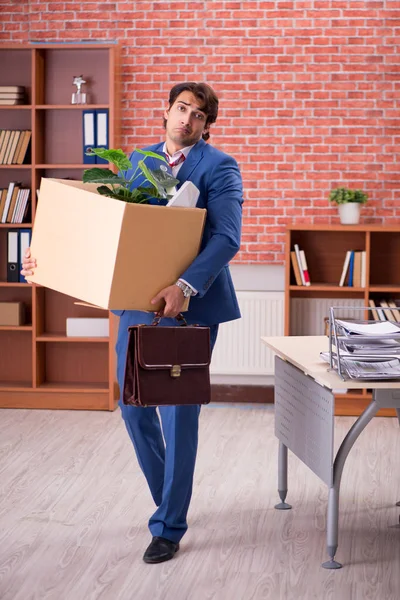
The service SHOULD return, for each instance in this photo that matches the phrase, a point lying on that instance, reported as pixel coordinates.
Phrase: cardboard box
(12, 314)
(88, 327)
(107, 252)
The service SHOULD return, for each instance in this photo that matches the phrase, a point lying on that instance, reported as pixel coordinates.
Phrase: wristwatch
(186, 289)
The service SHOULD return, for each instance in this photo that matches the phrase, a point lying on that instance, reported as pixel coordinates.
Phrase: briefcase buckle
(176, 371)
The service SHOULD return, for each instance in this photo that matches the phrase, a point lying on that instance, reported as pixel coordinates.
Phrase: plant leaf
(97, 175)
(104, 190)
(151, 154)
(117, 157)
(149, 176)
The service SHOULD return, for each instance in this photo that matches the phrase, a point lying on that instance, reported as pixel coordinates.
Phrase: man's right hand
(28, 264)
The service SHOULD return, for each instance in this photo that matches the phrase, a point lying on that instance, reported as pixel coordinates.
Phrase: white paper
(186, 196)
(370, 329)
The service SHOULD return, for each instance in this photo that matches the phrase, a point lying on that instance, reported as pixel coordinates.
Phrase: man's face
(186, 122)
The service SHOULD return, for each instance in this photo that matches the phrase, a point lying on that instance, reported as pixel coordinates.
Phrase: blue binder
(351, 269)
(89, 135)
(101, 132)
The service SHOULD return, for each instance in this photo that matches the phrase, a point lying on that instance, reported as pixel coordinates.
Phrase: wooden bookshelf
(325, 247)
(40, 366)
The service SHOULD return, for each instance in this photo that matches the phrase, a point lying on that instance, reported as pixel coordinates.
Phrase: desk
(304, 418)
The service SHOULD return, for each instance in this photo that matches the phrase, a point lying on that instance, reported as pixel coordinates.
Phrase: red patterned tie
(176, 162)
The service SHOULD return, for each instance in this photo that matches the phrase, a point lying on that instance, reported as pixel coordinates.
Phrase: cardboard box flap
(63, 217)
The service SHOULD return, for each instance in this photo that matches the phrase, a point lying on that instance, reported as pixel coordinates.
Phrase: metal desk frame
(304, 424)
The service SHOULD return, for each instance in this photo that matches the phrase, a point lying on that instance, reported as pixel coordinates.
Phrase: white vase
(349, 213)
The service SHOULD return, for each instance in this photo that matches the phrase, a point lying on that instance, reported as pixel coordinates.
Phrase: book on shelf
(384, 310)
(302, 266)
(373, 310)
(296, 269)
(354, 272)
(14, 145)
(10, 95)
(14, 203)
(387, 311)
(395, 310)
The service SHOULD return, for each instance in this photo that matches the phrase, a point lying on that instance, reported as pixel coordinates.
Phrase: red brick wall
(309, 92)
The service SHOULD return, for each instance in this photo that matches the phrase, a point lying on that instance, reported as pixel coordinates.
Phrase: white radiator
(239, 350)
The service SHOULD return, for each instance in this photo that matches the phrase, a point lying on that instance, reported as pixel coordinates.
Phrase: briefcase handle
(180, 318)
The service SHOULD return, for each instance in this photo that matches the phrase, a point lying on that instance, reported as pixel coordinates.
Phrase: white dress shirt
(175, 171)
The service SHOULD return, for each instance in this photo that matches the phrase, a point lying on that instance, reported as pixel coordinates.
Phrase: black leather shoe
(160, 550)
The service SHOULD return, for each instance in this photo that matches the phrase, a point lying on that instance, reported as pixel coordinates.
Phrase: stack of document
(366, 350)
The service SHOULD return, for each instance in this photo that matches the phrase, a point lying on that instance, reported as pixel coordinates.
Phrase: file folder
(102, 132)
(89, 135)
(13, 262)
(24, 243)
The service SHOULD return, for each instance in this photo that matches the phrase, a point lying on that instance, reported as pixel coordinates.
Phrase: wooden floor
(74, 509)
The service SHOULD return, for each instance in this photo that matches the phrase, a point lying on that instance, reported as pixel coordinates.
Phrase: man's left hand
(174, 301)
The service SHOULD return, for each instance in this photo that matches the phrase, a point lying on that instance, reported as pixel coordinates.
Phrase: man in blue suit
(169, 466)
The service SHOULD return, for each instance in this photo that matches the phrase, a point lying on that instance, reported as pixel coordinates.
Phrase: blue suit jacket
(218, 179)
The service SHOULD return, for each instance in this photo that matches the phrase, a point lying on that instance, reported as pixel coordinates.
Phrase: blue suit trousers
(166, 452)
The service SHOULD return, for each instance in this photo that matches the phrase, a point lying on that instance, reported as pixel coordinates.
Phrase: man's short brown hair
(204, 93)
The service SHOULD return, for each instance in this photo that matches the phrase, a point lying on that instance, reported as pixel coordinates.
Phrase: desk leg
(282, 477)
(333, 499)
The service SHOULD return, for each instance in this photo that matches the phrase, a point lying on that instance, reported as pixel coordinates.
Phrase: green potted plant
(349, 203)
(159, 183)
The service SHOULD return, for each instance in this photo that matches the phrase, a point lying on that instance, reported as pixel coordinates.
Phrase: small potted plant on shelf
(349, 203)
(156, 184)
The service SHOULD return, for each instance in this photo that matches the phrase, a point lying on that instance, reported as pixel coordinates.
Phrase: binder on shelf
(101, 132)
(12, 257)
(24, 243)
(89, 135)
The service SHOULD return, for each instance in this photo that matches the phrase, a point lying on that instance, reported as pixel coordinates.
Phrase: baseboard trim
(252, 394)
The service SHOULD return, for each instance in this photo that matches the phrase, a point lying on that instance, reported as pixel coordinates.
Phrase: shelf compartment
(56, 69)
(53, 309)
(56, 125)
(19, 173)
(16, 358)
(19, 293)
(385, 259)
(14, 119)
(73, 366)
(325, 252)
(18, 70)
